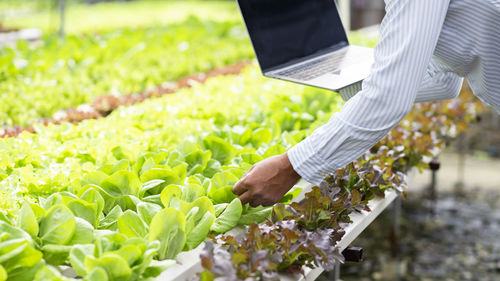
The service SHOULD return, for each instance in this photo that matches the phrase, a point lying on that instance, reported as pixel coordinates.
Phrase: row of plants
(105, 104)
(128, 218)
(306, 233)
(57, 155)
(118, 198)
(37, 81)
(110, 15)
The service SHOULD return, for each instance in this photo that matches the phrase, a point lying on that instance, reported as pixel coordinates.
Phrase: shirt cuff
(307, 163)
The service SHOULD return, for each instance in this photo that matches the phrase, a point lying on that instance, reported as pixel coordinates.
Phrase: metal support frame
(395, 227)
(62, 17)
(434, 165)
(462, 155)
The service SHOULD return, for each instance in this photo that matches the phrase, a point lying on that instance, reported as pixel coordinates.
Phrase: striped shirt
(426, 48)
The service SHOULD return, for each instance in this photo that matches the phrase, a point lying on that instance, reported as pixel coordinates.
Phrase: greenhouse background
(126, 124)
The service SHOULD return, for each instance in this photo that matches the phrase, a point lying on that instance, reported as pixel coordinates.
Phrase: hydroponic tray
(189, 264)
(28, 34)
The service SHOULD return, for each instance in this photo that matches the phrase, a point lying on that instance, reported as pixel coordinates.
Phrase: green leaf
(121, 183)
(197, 161)
(147, 211)
(77, 256)
(192, 191)
(154, 199)
(56, 254)
(168, 227)
(3, 273)
(229, 217)
(223, 179)
(196, 210)
(251, 158)
(93, 196)
(155, 268)
(84, 210)
(170, 195)
(128, 202)
(122, 165)
(294, 192)
(221, 189)
(84, 232)
(37, 210)
(111, 218)
(17, 253)
(57, 226)
(150, 185)
(146, 259)
(219, 208)
(5, 217)
(256, 215)
(115, 266)
(200, 231)
(27, 220)
(181, 170)
(11, 249)
(94, 178)
(97, 274)
(245, 137)
(167, 175)
(131, 225)
(261, 136)
(27, 273)
(213, 167)
(131, 252)
(13, 232)
(276, 149)
(222, 151)
(52, 200)
(49, 273)
(224, 194)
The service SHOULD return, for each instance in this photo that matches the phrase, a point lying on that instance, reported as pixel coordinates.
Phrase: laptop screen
(283, 30)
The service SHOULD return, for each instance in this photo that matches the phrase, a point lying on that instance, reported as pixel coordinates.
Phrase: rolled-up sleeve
(409, 34)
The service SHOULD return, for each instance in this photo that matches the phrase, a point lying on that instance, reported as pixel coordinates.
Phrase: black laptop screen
(283, 30)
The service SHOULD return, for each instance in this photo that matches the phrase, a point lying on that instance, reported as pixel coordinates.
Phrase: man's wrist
(287, 165)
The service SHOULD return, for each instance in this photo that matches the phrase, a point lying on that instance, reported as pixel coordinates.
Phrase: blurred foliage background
(83, 16)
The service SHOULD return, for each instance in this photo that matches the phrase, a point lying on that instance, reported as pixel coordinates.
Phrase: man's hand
(267, 181)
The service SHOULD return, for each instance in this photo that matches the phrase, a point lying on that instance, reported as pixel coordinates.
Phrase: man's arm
(409, 34)
(438, 85)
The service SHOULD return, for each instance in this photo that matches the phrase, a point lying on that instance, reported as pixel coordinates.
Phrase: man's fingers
(254, 203)
(248, 198)
(239, 187)
(245, 198)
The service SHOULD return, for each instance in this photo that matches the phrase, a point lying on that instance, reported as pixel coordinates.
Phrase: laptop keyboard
(316, 68)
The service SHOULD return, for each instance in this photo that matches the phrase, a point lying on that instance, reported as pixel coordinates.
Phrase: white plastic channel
(189, 264)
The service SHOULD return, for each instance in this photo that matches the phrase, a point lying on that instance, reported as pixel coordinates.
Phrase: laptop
(304, 41)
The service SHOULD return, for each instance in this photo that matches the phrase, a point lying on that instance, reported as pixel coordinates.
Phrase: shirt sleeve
(438, 85)
(409, 34)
